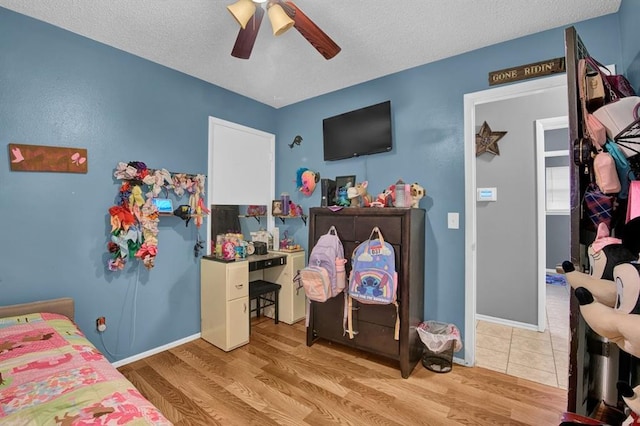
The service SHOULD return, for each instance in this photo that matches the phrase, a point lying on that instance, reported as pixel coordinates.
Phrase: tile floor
(540, 357)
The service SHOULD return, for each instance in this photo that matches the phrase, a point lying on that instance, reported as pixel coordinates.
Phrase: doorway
(526, 313)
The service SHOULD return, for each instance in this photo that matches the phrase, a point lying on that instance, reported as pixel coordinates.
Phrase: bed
(51, 374)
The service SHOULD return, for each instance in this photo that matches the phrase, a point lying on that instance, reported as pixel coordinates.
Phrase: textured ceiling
(377, 37)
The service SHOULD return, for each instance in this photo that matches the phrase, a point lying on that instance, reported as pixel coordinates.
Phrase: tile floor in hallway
(539, 357)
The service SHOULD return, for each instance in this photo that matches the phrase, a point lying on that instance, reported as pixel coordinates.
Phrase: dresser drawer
(344, 225)
(376, 314)
(237, 281)
(376, 338)
(390, 226)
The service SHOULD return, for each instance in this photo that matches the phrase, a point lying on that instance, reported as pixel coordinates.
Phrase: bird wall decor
(296, 141)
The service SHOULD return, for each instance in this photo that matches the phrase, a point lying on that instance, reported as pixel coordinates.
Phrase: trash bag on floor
(436, 336)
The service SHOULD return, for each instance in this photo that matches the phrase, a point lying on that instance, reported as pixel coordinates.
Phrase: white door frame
(543, 125)
(471, 100)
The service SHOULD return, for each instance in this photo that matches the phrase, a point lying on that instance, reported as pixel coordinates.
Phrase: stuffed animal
(386, 198)
(620, 324)
(306, 180)
(293, 209)
(359, 196)
(342, 198)
(417, 193)
(630, 397)
(604, 253)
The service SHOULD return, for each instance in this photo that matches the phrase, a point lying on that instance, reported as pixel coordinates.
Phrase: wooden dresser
(405, 230)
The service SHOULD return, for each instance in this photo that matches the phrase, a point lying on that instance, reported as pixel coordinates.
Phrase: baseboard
(509, 323)
(154, 351)
(459, 361)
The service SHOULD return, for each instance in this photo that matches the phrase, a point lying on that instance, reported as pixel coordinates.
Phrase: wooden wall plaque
(38, 158)
(523, 72)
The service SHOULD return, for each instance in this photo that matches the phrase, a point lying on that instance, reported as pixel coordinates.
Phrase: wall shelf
(303, 217)
(256, 217)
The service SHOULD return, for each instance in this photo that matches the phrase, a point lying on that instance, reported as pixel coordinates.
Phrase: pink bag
(633, 208)
(596, 130)
(606, 174)
(593, 129)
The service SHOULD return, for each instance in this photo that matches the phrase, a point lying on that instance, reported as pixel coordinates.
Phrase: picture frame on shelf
(276, 207)
(342, 181)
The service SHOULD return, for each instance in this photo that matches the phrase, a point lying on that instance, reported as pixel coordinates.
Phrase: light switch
(453, 220)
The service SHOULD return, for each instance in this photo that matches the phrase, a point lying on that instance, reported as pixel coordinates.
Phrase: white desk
(224, 289)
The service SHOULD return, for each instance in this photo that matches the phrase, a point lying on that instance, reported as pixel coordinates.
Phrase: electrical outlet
(101, 324)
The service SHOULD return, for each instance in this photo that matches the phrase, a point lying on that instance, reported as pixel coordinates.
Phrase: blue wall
(60, 89)
(630, 34)
(428, 119)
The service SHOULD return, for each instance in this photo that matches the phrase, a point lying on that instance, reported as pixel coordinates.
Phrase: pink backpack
(324, 277)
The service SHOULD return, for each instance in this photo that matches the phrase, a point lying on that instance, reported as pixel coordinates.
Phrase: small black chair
(265, 294)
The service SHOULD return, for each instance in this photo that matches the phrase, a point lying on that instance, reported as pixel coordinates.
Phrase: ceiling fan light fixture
(242, 11)
(280, 21)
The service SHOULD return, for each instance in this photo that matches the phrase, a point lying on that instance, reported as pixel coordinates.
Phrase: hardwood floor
(278, 380)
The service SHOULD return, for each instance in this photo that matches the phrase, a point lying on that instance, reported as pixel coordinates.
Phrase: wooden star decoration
(487, 140)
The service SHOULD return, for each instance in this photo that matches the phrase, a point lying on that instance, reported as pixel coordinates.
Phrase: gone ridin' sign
(539, 69)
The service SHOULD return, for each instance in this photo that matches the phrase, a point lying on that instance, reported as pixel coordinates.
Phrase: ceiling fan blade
(309, 30)
(247, 37)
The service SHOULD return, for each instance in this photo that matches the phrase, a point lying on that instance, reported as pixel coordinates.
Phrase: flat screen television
(360, 132)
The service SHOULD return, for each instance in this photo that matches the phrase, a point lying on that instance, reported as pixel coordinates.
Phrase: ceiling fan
(283, 15)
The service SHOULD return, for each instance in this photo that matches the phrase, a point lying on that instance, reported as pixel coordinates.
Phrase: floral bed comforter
(51, 374)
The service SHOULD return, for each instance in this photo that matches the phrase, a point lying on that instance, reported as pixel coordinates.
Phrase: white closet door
(241, 163)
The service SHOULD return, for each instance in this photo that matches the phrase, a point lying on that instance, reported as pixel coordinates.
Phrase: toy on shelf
(254, 210)
(342, 198)
(286, 243)
(417, 194)
(359, 196)
(386, 198)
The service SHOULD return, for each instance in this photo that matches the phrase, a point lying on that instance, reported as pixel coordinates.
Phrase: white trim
(558, 212)
(543, 125)
(561, 153)
(471, 100)
(154, 351)
(508, 323)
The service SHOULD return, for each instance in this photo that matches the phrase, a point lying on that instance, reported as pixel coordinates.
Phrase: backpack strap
(396, 332)
(348, 316)
(375, 230)
(348, 307)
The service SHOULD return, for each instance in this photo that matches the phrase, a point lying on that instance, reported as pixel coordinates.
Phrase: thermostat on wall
(487, 194)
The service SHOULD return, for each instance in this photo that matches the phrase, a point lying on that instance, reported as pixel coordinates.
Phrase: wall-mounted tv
(361, 132)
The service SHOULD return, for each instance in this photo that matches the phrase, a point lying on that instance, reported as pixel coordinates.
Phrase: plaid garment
(598, 206)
